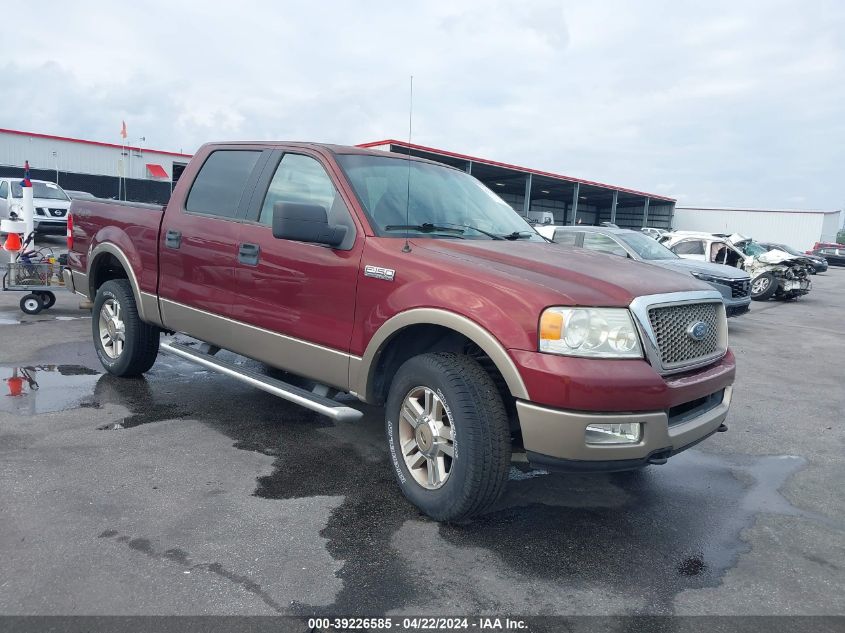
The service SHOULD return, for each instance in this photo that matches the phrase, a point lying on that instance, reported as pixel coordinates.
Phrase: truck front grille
(677, 347)
(740, 288)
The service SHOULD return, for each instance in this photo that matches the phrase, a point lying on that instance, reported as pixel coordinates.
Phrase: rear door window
(4, 190)
(220, 183)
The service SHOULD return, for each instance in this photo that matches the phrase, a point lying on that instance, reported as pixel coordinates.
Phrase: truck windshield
(444, 202)
(43, 190)
(753, 249)
(646, 247)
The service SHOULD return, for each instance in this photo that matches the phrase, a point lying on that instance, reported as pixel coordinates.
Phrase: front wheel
(31, 304)
(125, 344)
(448, 435)
(763, 287)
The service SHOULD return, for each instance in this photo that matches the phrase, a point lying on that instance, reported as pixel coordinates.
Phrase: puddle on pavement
(671, 528)
(34, 389)
(19, 318)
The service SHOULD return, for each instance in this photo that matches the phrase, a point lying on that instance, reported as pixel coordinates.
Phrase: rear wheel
(448, 435)
(763, 287)
(48, 299)
(125, 345)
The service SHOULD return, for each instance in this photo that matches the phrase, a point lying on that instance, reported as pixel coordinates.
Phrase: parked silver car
(734, 284)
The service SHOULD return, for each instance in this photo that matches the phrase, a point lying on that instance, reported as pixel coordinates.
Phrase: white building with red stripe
(86, 165)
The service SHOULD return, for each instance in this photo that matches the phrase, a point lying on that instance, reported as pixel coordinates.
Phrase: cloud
(731, 103)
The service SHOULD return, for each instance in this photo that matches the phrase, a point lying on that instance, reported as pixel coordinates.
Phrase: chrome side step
(325, 406)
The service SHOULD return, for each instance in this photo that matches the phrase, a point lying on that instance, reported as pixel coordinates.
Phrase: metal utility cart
(38, 280)
(36, 272)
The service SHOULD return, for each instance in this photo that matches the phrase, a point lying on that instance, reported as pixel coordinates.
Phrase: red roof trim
(97, 143)
(494, 163)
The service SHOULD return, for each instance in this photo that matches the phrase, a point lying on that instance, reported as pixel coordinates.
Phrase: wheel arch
(106, 262)
(421, 324)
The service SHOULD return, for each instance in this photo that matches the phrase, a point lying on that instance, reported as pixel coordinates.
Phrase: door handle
(248, 254)
(172, 239)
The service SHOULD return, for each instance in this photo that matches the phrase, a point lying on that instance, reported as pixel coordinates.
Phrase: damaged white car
(774, 273)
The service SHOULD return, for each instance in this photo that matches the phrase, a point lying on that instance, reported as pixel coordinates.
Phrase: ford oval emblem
(698, 330)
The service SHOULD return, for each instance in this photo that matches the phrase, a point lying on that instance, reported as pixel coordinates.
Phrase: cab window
(689, 247)
(562, 236)
(603, 244)
(4, 190)
(300, 178)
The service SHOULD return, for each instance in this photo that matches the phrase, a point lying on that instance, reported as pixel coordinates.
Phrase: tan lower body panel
(149, 308)
(324, 365)
(80, 283)
(561, 434)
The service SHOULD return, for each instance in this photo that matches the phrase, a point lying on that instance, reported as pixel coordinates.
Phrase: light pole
(56, 159)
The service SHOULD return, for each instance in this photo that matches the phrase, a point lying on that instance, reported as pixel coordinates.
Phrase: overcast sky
(721, 103)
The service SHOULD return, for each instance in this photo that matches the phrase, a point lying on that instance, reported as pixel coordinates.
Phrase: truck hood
(774, 257)
(50, 203)
(703, 268)
(778, 256)
(576, 276)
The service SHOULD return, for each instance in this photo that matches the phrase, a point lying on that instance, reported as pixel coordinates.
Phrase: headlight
(591, 332)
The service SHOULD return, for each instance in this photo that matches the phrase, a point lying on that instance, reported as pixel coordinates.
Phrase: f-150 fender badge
(379, 273)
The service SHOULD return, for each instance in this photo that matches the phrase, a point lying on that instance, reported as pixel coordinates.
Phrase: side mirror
(305, 223)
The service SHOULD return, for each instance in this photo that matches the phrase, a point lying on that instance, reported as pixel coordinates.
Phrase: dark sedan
(833, 253)
(819, 262)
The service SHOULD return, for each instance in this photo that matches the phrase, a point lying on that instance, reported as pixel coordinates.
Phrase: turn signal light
(551, 326)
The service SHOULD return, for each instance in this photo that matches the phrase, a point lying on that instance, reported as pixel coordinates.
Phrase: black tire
(31, 304)
(481, 435)
(140, 345)
(48, 299)
(767, 285)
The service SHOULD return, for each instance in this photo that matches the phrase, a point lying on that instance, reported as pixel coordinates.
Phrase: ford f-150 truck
(408, 284)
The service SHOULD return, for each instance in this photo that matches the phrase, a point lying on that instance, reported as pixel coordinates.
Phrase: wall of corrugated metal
(831, 225)
(82, 158)
(797, 229)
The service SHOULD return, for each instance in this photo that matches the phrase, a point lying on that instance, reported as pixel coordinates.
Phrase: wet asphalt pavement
(189, 493)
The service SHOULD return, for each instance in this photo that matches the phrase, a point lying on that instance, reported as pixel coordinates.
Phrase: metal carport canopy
(570, 199)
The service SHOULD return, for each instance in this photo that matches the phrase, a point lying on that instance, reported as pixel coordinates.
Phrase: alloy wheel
(425, 437)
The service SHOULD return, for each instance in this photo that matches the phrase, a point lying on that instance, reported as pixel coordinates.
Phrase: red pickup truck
(407, 283)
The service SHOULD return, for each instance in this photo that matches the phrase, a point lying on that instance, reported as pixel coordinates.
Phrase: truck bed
(131, 226)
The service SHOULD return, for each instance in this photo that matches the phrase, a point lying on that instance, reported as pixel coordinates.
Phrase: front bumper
(734, 306)
(738, 310)
(796, 286)
(50, 227)
(556, 440)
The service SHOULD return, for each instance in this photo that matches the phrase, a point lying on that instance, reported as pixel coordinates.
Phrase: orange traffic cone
(15, 384)
(13, 243)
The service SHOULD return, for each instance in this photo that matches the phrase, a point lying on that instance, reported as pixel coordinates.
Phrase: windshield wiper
(426, 227)
(516, 235)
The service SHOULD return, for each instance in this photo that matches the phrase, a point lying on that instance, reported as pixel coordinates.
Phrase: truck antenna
(407, 247)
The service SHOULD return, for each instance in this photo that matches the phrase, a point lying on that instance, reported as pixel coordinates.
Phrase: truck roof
(331, 148)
